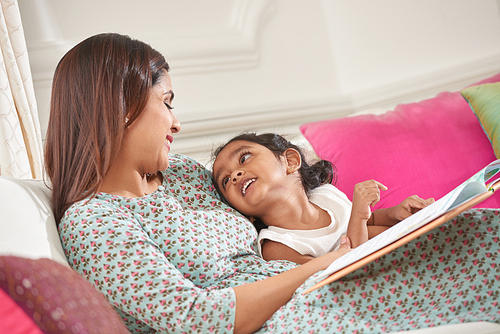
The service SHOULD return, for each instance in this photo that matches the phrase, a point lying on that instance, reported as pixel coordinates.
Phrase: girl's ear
(293, 160)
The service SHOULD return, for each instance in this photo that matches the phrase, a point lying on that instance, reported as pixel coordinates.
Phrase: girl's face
(250, 177)
(147, 140)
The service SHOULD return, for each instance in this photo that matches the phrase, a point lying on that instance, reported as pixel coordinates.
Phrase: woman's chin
(163, 165)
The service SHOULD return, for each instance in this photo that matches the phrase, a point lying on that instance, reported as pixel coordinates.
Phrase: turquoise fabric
(167, 262)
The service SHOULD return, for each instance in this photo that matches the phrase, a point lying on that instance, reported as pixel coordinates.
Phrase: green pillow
(485, 102)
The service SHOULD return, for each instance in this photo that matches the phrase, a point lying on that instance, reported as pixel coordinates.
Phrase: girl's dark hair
(312, 175)
(96, 85)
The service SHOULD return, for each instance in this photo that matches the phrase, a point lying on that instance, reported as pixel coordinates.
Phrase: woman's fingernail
(343, 240)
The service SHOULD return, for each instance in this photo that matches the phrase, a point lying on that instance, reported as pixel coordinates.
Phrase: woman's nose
(176, 125)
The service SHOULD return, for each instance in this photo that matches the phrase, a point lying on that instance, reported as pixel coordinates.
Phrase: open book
(473, 191)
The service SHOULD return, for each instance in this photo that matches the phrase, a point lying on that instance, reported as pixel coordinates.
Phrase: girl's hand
(408, 207)
(366, 194)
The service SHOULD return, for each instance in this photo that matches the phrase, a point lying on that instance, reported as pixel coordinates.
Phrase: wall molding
(233, 46)
(44, 57)
(198, 137)
(427, 85)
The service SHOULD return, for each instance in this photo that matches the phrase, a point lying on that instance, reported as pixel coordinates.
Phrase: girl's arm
(256, 302)
(393, 215)
(373, 231)
(366, 194)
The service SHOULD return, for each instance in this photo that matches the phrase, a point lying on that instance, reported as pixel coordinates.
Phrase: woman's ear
(293, 160)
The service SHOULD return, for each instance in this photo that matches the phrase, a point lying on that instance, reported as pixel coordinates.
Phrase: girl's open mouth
(245, 186)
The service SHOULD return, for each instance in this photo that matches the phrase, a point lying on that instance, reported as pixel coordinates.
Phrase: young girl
(298, 212)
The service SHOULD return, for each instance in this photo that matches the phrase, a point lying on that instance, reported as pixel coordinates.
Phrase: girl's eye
(244, 157)
(168, 106)
(224, 182)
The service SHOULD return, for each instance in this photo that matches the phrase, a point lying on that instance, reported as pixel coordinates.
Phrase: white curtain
(21, 154)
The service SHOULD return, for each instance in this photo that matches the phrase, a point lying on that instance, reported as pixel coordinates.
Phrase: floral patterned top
(167, 260)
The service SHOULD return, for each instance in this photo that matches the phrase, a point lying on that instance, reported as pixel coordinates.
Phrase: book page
(394, 233)
(492, 173)
(478, 183)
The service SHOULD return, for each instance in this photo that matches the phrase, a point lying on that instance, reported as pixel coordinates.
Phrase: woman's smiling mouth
(169, 140)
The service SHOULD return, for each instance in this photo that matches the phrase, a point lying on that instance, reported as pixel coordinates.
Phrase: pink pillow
(425, 148)
(13, 319)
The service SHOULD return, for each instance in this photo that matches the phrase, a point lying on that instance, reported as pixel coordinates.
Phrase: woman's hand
(328, 258)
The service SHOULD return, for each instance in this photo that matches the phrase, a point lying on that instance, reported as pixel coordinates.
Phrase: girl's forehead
(233, 148)
(231, 152)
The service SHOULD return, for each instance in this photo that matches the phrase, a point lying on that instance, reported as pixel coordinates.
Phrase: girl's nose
(236, 175)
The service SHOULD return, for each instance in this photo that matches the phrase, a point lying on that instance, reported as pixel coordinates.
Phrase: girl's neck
(297, 213)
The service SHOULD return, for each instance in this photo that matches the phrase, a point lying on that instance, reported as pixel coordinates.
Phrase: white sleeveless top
(319, 241)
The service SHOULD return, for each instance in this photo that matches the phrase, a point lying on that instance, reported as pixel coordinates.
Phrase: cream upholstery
(27, 224)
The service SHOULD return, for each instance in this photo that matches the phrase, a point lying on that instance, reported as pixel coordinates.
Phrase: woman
(150, 232)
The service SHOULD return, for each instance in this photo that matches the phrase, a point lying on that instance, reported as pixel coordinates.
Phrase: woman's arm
(114, 253)
(256, 302)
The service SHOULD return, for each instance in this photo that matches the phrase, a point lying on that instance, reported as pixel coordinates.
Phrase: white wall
(275, 64)
(380, 46)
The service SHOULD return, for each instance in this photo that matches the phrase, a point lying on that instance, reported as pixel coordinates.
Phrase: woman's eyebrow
(171, 93)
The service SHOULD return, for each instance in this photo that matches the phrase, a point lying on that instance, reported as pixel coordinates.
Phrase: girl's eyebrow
(231, 156)
(238, 150)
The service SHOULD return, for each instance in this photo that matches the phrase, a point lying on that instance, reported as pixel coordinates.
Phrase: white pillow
(27, 225)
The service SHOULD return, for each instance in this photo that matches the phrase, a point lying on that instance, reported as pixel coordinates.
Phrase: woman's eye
(168, 105)
(244, 157)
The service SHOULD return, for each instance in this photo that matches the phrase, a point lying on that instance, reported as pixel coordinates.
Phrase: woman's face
(146, 142)
(250, 177)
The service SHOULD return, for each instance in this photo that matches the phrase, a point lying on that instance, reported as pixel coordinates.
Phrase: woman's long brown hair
(96, 85)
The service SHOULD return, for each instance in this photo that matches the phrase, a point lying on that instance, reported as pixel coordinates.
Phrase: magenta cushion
(13, 319)
(425, 148)
(56, 298)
